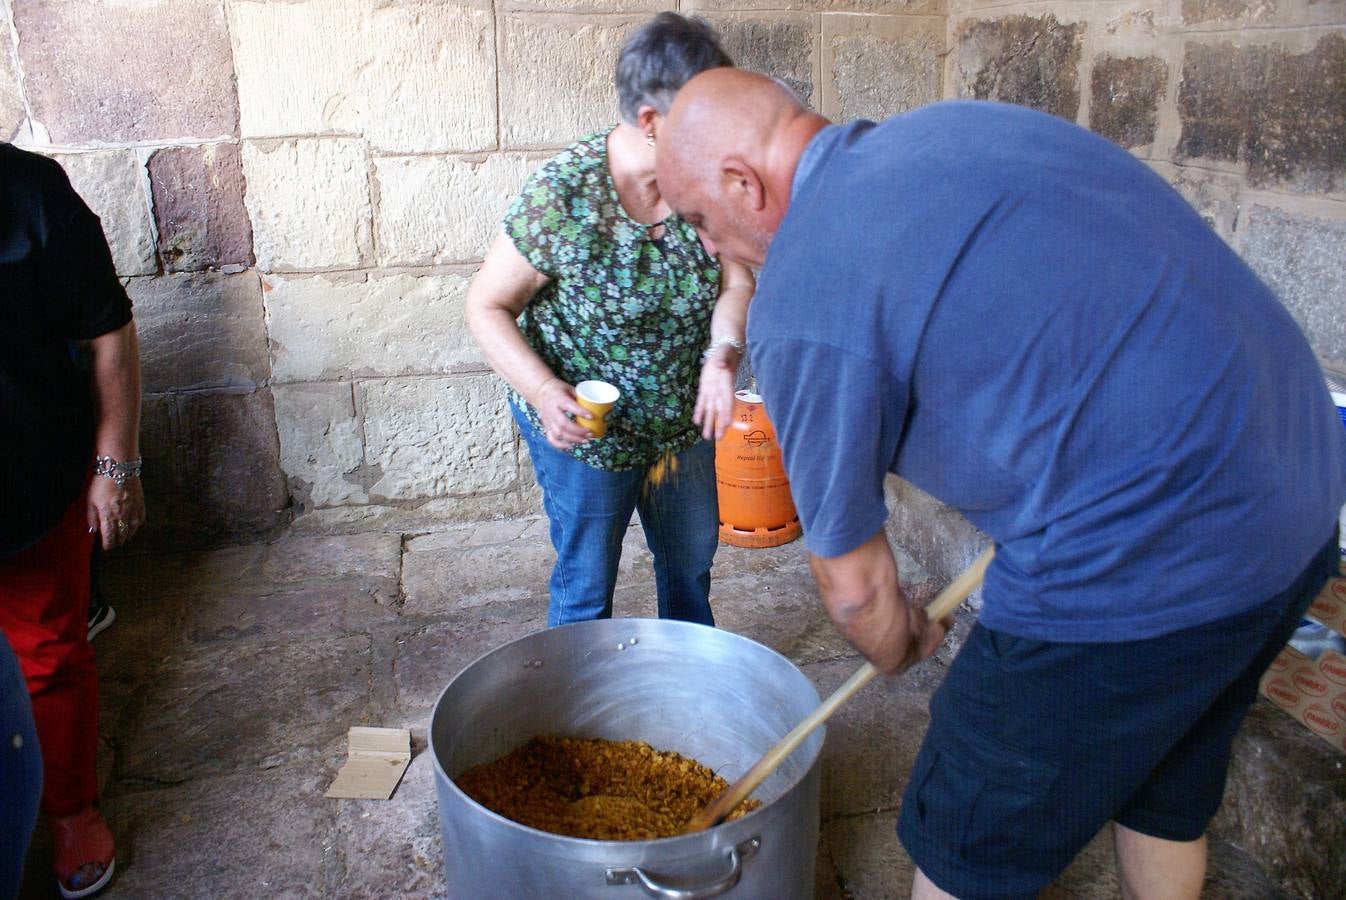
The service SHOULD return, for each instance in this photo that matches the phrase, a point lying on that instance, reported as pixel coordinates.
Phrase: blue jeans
(20, 771)
(589, 510)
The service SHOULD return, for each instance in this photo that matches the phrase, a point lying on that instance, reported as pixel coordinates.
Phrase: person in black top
(70, 474)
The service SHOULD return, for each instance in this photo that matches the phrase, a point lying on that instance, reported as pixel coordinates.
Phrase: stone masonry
(298, 192)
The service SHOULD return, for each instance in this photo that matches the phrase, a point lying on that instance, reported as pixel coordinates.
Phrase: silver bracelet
(119, 472)
(717, 344)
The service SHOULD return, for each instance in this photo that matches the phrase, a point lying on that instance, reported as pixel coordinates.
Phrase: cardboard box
(1312, 691)
(375, 761)
(1329, 607)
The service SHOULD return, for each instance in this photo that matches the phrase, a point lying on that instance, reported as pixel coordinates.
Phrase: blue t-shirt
(1023, 320)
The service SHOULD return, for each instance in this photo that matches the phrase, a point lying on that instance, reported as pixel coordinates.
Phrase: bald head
(726, 157)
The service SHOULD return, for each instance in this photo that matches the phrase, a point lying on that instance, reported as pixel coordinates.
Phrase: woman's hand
(555, 404)
(114, 512)
(715, 396)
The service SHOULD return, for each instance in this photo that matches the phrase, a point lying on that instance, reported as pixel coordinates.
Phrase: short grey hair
(660, 57)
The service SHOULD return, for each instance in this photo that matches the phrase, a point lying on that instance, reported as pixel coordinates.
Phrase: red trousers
(44, 609)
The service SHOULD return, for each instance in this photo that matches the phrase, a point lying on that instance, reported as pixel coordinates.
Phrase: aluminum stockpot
(709, 695)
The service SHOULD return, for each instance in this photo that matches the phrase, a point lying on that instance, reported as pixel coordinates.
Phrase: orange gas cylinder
(756, 509)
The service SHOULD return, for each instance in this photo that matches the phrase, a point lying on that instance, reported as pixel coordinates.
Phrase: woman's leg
(588, 510)
(681, 517)
(44, 602)
(44, 605)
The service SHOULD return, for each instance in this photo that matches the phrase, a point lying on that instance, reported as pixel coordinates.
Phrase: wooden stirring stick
(719, 808)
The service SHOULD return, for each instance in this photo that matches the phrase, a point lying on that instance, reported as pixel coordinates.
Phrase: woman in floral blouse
(594, 278)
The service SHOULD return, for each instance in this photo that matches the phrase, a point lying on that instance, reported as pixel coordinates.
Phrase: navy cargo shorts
(1034, 746)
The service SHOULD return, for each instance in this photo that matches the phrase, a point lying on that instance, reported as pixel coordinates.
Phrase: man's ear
(741, 184)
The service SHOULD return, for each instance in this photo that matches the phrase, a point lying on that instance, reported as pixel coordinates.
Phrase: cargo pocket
(984, 803)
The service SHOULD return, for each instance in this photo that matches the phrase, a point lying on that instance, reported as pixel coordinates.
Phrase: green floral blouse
(620, 307)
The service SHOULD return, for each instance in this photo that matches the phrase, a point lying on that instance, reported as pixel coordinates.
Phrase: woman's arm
(116, 511)
(715, 397)
(499, 292)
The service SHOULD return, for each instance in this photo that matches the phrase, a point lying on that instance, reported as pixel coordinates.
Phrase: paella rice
(597, 789)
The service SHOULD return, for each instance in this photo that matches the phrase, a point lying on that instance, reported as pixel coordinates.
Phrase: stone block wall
(1240, 104)
(297, 193)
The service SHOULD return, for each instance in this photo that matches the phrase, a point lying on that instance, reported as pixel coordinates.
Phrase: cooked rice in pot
(596, 789)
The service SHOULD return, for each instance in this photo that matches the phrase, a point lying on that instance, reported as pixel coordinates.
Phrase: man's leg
(1149, 868)
(1034, 746)
(923, 888)
(1162, 851)
(1152, 868)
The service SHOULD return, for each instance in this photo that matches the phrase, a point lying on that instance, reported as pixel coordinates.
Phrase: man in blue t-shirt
(1025, 321)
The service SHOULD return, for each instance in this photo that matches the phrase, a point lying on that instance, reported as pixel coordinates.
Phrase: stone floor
(231, 676)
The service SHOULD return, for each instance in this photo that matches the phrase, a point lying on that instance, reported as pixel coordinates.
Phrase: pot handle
(637, 875)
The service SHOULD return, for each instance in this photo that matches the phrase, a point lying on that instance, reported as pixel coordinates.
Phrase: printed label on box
(1310, 683)
(1322, 721)
(1329, 607)
(1280, 691)
(1333, 666)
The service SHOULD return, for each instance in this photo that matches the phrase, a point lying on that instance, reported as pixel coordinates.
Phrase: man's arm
(863, 599)
(116, 511)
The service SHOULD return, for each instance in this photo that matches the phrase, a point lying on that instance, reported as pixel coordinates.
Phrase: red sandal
(82, 842)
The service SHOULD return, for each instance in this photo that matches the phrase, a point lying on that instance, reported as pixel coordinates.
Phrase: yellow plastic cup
(598, 397)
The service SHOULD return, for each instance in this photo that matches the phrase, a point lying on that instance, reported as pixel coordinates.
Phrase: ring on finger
(121, 525)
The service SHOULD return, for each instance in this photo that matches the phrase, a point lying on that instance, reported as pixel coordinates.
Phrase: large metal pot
(715, 697)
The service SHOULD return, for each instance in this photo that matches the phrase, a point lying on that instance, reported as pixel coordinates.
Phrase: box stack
(1314, 690)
